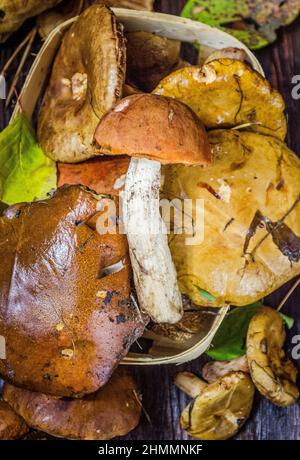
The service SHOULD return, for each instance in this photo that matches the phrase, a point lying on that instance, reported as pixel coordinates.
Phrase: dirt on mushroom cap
(272, 373)
(112, 411)
(226, 93)
(221, 409)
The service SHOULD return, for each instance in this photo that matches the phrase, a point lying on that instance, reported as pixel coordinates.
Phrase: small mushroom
(165, 131)
(213, 370)
(220, 409)
(12, 426)
(272, 373)
(112, 411)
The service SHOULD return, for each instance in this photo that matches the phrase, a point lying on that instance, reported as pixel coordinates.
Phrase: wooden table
(161, 399)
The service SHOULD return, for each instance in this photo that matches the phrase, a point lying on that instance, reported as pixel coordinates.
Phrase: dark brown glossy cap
(112, 411)
(66, 321)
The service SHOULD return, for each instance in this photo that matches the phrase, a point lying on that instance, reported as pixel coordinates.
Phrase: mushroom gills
(154, 271)
(219, 409)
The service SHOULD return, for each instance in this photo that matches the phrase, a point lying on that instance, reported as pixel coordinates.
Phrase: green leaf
(288, 320)
(252, 22)
(205, 294)
(26, 174)
(230, 340)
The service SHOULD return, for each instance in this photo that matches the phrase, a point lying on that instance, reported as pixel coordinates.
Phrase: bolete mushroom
(272, 373)
(87, 80)
(220, 409)
(66, 310)
(103, 175)
(153, 130)
(112, 411)
(192, 324)
(12, 426)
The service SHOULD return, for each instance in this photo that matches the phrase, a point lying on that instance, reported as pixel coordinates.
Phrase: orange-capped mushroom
(153, 130)
(154, 127)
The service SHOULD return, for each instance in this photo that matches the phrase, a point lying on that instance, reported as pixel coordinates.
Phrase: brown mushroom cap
(67, 321)
(272, 373)
(224, 94)
(220, 409)
(12, 426)
(112, 411)
(192, 324)
(156, 128)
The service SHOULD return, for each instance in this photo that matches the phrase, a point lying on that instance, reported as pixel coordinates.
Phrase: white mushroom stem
(190, 384)
(154, 271)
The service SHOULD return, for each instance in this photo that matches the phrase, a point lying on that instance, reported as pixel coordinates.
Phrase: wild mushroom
(190, 326)
(112, 411)
(87, 80)
(213, 370)
(15, 12)
(223, 93)
(220, 409)
(272, 373)
(103, 175)
(12, 426)
(162, 131)
(254, 235)
(150, 58)
(65, 307)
